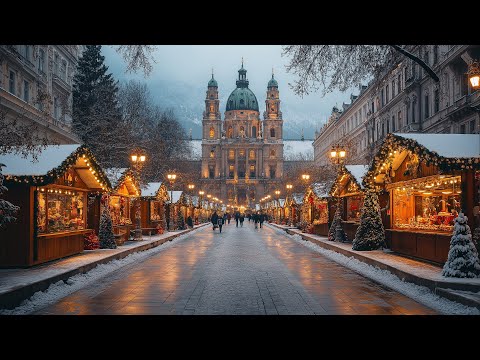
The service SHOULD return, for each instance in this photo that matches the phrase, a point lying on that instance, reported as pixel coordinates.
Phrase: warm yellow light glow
(446, 192)
(142, 158)
(333, 154)
(475, 81)
(134, 158)
(342, 153)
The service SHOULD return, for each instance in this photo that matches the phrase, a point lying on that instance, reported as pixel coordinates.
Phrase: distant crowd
(218, 220)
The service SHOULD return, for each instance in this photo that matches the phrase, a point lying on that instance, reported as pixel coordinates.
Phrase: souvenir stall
(59, 197)
(429, 179)
(293, 204)
(153, 200)
(280, 211)
(121, 200)
(177, 205)
(315, 202)
(196, 209)
(348, 188)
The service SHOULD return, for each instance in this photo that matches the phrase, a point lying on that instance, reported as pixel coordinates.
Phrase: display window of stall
(353, 207)
(155, 210)
(430, 203)
(320, 212)
(60, 210)
(119, 210)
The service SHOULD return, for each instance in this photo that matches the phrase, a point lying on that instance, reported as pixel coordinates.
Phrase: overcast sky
(193, 65)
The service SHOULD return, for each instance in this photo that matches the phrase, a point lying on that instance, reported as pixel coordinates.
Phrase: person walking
(249, 216)
(237, 216)
(190, 222)
(220, 222)
(242, 218)
(255, 220)
(261, 219)
(229, 216)
(214, 219)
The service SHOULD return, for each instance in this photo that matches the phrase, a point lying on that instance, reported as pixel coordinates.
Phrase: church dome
(212, 82)
(272, 83)
(242, 98)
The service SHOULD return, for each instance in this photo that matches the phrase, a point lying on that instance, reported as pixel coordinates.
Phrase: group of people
(219, 220)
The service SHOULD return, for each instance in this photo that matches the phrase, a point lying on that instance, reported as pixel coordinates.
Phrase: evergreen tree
(476, 238)
(370, 234)
(462, 259)
(180, 221)
(7, 209)
(105, 233)
(337, 220)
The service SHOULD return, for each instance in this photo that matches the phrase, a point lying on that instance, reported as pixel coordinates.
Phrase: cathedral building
(242, 156)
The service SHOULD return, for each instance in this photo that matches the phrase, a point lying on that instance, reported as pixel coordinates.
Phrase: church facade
(242, 155)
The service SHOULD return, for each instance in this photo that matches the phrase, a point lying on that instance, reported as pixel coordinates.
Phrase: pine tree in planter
(7, 209)
(107, 240)
(180, 221)
(336, 233)
(462, 259)
(370, 234)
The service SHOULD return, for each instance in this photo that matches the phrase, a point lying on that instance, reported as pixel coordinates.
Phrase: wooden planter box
(321, 229)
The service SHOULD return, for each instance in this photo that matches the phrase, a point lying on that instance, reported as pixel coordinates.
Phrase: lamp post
(289, 193)
(277, 218)
(138, 160)
(337, 156)
(171, 178)
(474, 74)
(201, 193)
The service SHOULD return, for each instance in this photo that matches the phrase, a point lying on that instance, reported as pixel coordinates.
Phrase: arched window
(230, 132)
(272, 153)
(212, 153)
(242, 102)
(254, 131)
(212, 132)
(231, 103)
(231, 154)
(272, 132)
(252, 154)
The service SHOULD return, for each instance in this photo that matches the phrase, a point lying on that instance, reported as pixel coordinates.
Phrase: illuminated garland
(337, 186)
(393, 143)
(53, 175)
(128, 173)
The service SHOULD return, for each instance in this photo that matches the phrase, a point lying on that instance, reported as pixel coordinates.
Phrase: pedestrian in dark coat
(261, 219)
(242, 218)
(189, 221)
(255, 218)
(237, 216)
(214, 219)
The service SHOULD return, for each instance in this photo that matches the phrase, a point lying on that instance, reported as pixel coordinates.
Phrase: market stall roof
(297, 198)
(358, 172)
(322, 190)
(448, 145)
(281, 202)
(52, 162)
(257, 207)
(176, 194)
(195, 200)
(114, 175)
(151, 189)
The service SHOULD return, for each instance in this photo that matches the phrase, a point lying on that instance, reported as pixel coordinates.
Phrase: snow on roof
(257, 207)
(114, 174)
(321, 189)
(292, 149)
(176, 195)
(358, 172)
(50, 158)
(297, 198)
(196, 149)
(281, 202)
(195, 200)
(151, 189)
(448, 145)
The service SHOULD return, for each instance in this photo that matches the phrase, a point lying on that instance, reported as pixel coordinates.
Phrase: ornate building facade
(36, 88)
(242, 156)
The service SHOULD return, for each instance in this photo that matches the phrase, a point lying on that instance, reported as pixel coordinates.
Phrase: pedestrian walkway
(465, 291)
(17, 285)
(239, 271)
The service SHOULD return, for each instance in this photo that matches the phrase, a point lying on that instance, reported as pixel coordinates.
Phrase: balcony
(62, 83)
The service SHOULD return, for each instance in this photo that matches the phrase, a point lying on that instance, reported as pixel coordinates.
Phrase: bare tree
(137, 57)
(340, 67)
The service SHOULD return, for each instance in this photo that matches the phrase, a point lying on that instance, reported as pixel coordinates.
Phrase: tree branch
(418, 61)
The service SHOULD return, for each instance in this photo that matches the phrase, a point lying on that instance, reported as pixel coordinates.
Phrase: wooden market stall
(293, 205)
(177, 203)
(153, 207)
(59, 198)
(121, 201)
(429, 178)
(349, 187)
(315, 207)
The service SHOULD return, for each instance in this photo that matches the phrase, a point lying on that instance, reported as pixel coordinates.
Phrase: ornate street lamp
(337, 156)
(137, 161)
(289, 193)
(171, 179)
(474, 74)
(201, 193)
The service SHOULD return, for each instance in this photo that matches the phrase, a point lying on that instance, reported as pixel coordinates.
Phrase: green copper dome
(212, 82)
(272, 83)
(242, 98)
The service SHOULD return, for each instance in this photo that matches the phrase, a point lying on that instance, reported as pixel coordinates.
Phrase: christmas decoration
(180, 221)
(476, 238)
(7, 209)
(335, 232)
(370, 234)
(462, 259)
(91, 241)
(107, 240)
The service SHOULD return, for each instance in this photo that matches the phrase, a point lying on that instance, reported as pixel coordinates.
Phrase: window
(242, 102)
(254, 131)
(272, 153)
(435, 54)
(393, 123)
(399, 118)
(242, 131)
(373, 107)
(211, 171)
(426, 58)
(27, 52)
(231, 105)
(437, 101)
(212, 153)
(413, 113)
(212, 132)
(252, 154)
(272, 132)
(252, 171)
(405, 75)
(472, 127)
(383, 129)
(241, 153)
(426, 107)
(462, 129)
(393, 89)
(41, 60)
(399, 83)
(56, 108)
(231, 154)
(11, 83)
(26, 91)
(383, 98)
(230, 132)
(56, 63)
(231, 171)
(387, 93)
(272, 172)
(388, 126)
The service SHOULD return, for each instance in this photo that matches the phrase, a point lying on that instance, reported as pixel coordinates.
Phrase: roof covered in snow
(448, 145)
(257, 207)
(50, 158)
(176, 195)
(114, 174)
(358, 172)
(322, 189)
(151, 189)
(297, 198)
(281, 202)
(195, 200)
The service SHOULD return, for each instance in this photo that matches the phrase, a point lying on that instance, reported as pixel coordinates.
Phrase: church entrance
(242, 197)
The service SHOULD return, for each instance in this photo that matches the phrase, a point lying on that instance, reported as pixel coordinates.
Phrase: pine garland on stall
(7, 209)
(370, 234)
(180, 221)
(462, 259)
(107, 240)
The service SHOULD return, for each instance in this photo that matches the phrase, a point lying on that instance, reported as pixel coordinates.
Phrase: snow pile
(61, 289)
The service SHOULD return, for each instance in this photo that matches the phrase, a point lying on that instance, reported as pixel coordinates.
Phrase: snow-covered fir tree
(476, 238)
(335, 234)
(7, 209)
(180, 221)
(462, 259)
(370, 234)
(105, 233)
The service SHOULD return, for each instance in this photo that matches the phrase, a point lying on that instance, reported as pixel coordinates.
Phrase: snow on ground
(62, 288)
(421, 294)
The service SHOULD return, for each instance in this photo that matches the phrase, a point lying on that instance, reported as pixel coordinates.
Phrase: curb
(451, 290)
(13, 298)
